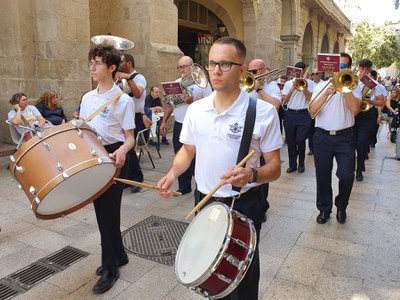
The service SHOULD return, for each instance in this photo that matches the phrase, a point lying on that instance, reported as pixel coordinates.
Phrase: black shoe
(311, 152)
(105, 282)
(290, 170)
(366, 157)
(341, 216)
(264, 218)
(359, 176)
(184, 191)
(322, 217)
(165, 142)
(135, 189)
(301, 169)
(124, 260)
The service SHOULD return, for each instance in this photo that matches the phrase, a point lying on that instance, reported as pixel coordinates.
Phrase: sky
(380, 11)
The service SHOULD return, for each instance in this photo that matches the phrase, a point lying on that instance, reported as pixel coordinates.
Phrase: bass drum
(215, 251)
(62, 169)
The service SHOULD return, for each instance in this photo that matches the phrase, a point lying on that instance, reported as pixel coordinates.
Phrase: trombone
(248, 80)
(344, 81)
(301, 84)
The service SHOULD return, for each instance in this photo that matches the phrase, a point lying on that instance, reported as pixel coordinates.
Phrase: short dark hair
(16, 97)
(344, 54)
(239, 45)
(301, 65)
(365, 63)
(109, 54)
(130, 58)
(374, 74)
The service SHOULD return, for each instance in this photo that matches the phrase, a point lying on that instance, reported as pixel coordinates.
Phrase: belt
(297, 111)
(335, 132)
(229, 199)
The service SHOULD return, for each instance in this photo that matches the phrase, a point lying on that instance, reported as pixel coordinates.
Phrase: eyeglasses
(224, 65)
(254, 71)
(314, 73)
(96, 63)
(182, 67)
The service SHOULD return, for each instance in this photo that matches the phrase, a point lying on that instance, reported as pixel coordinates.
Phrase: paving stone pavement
(299, 258)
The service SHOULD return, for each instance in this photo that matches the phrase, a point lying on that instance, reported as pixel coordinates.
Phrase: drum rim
(217, 260)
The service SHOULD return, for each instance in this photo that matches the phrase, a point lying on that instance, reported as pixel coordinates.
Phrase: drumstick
(144, 185)
(209, 195)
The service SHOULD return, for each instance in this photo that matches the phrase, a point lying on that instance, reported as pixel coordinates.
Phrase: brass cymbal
(118, 42)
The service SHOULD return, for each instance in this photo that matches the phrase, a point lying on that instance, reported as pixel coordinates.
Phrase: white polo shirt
(115, 118)
(297, 99)
(140, 81)
(335, 115)
(217, 138)
(198, 93)
(271, 88)
(30, 113)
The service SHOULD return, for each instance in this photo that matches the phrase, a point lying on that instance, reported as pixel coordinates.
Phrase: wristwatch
(130, 78)
(255, 175)
(259, 89)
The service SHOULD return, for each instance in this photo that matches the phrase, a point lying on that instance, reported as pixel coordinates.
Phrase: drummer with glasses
(212, 131)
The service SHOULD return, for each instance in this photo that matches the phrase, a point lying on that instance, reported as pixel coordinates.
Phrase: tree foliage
(376, 43)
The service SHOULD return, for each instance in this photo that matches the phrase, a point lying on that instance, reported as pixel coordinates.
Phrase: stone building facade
(44, 43)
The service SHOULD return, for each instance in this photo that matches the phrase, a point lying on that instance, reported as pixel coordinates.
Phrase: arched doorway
(308, 46)
(325, 44)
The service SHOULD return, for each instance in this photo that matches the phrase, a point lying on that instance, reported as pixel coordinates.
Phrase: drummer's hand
(165, 183)
(237, 176)
(120, 156)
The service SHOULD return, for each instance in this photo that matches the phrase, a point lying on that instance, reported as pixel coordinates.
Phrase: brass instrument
(344, 81)
(248, 80)
(366, 94)
(301, 84)
(197, 76)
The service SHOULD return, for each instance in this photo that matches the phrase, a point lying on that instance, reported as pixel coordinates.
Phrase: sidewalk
(300, 259)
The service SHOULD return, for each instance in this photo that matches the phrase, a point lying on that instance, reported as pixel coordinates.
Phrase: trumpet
(248, 80)
(344, 81)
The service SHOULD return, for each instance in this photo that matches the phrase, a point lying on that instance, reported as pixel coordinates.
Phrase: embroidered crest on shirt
(104, 112)
(236, 129)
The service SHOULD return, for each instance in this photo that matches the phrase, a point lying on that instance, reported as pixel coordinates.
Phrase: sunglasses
(254, 71)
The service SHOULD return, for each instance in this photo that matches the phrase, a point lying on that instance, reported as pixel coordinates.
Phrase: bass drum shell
(63, 170)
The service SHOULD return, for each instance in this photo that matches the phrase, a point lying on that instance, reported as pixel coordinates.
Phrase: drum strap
(247, 134)
(100, 109)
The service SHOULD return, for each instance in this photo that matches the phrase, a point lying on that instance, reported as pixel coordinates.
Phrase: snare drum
(62, 169)
(215, 251)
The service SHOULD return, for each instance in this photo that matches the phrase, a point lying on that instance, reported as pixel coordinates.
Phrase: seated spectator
(50, 108)
(153, 102)
(23, 114)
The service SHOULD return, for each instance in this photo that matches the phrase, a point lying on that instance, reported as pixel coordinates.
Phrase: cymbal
(118, 42)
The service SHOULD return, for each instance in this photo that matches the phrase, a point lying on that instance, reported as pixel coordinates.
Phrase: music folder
(293, 72)
(328, 62)
(172, 88)
(368, 81)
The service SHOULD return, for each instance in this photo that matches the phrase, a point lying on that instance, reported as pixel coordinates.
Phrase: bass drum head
(201, 243)
(76, 190)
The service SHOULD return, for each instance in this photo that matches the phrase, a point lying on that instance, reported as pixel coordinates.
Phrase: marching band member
(212, 131)
(137, 91)
(334, 138)
(297, 120)
(115, 125)
(364, 121)
(268, 91)
(184, 64)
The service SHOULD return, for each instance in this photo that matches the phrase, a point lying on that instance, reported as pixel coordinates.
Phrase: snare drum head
(201, 243)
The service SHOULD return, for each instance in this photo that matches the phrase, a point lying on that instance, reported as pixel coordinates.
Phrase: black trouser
(108, 215)
(375, 126)
(185, 180)
(297, 130)
(134, 170)
(251, 205)
(326, 148)
(362, 129)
